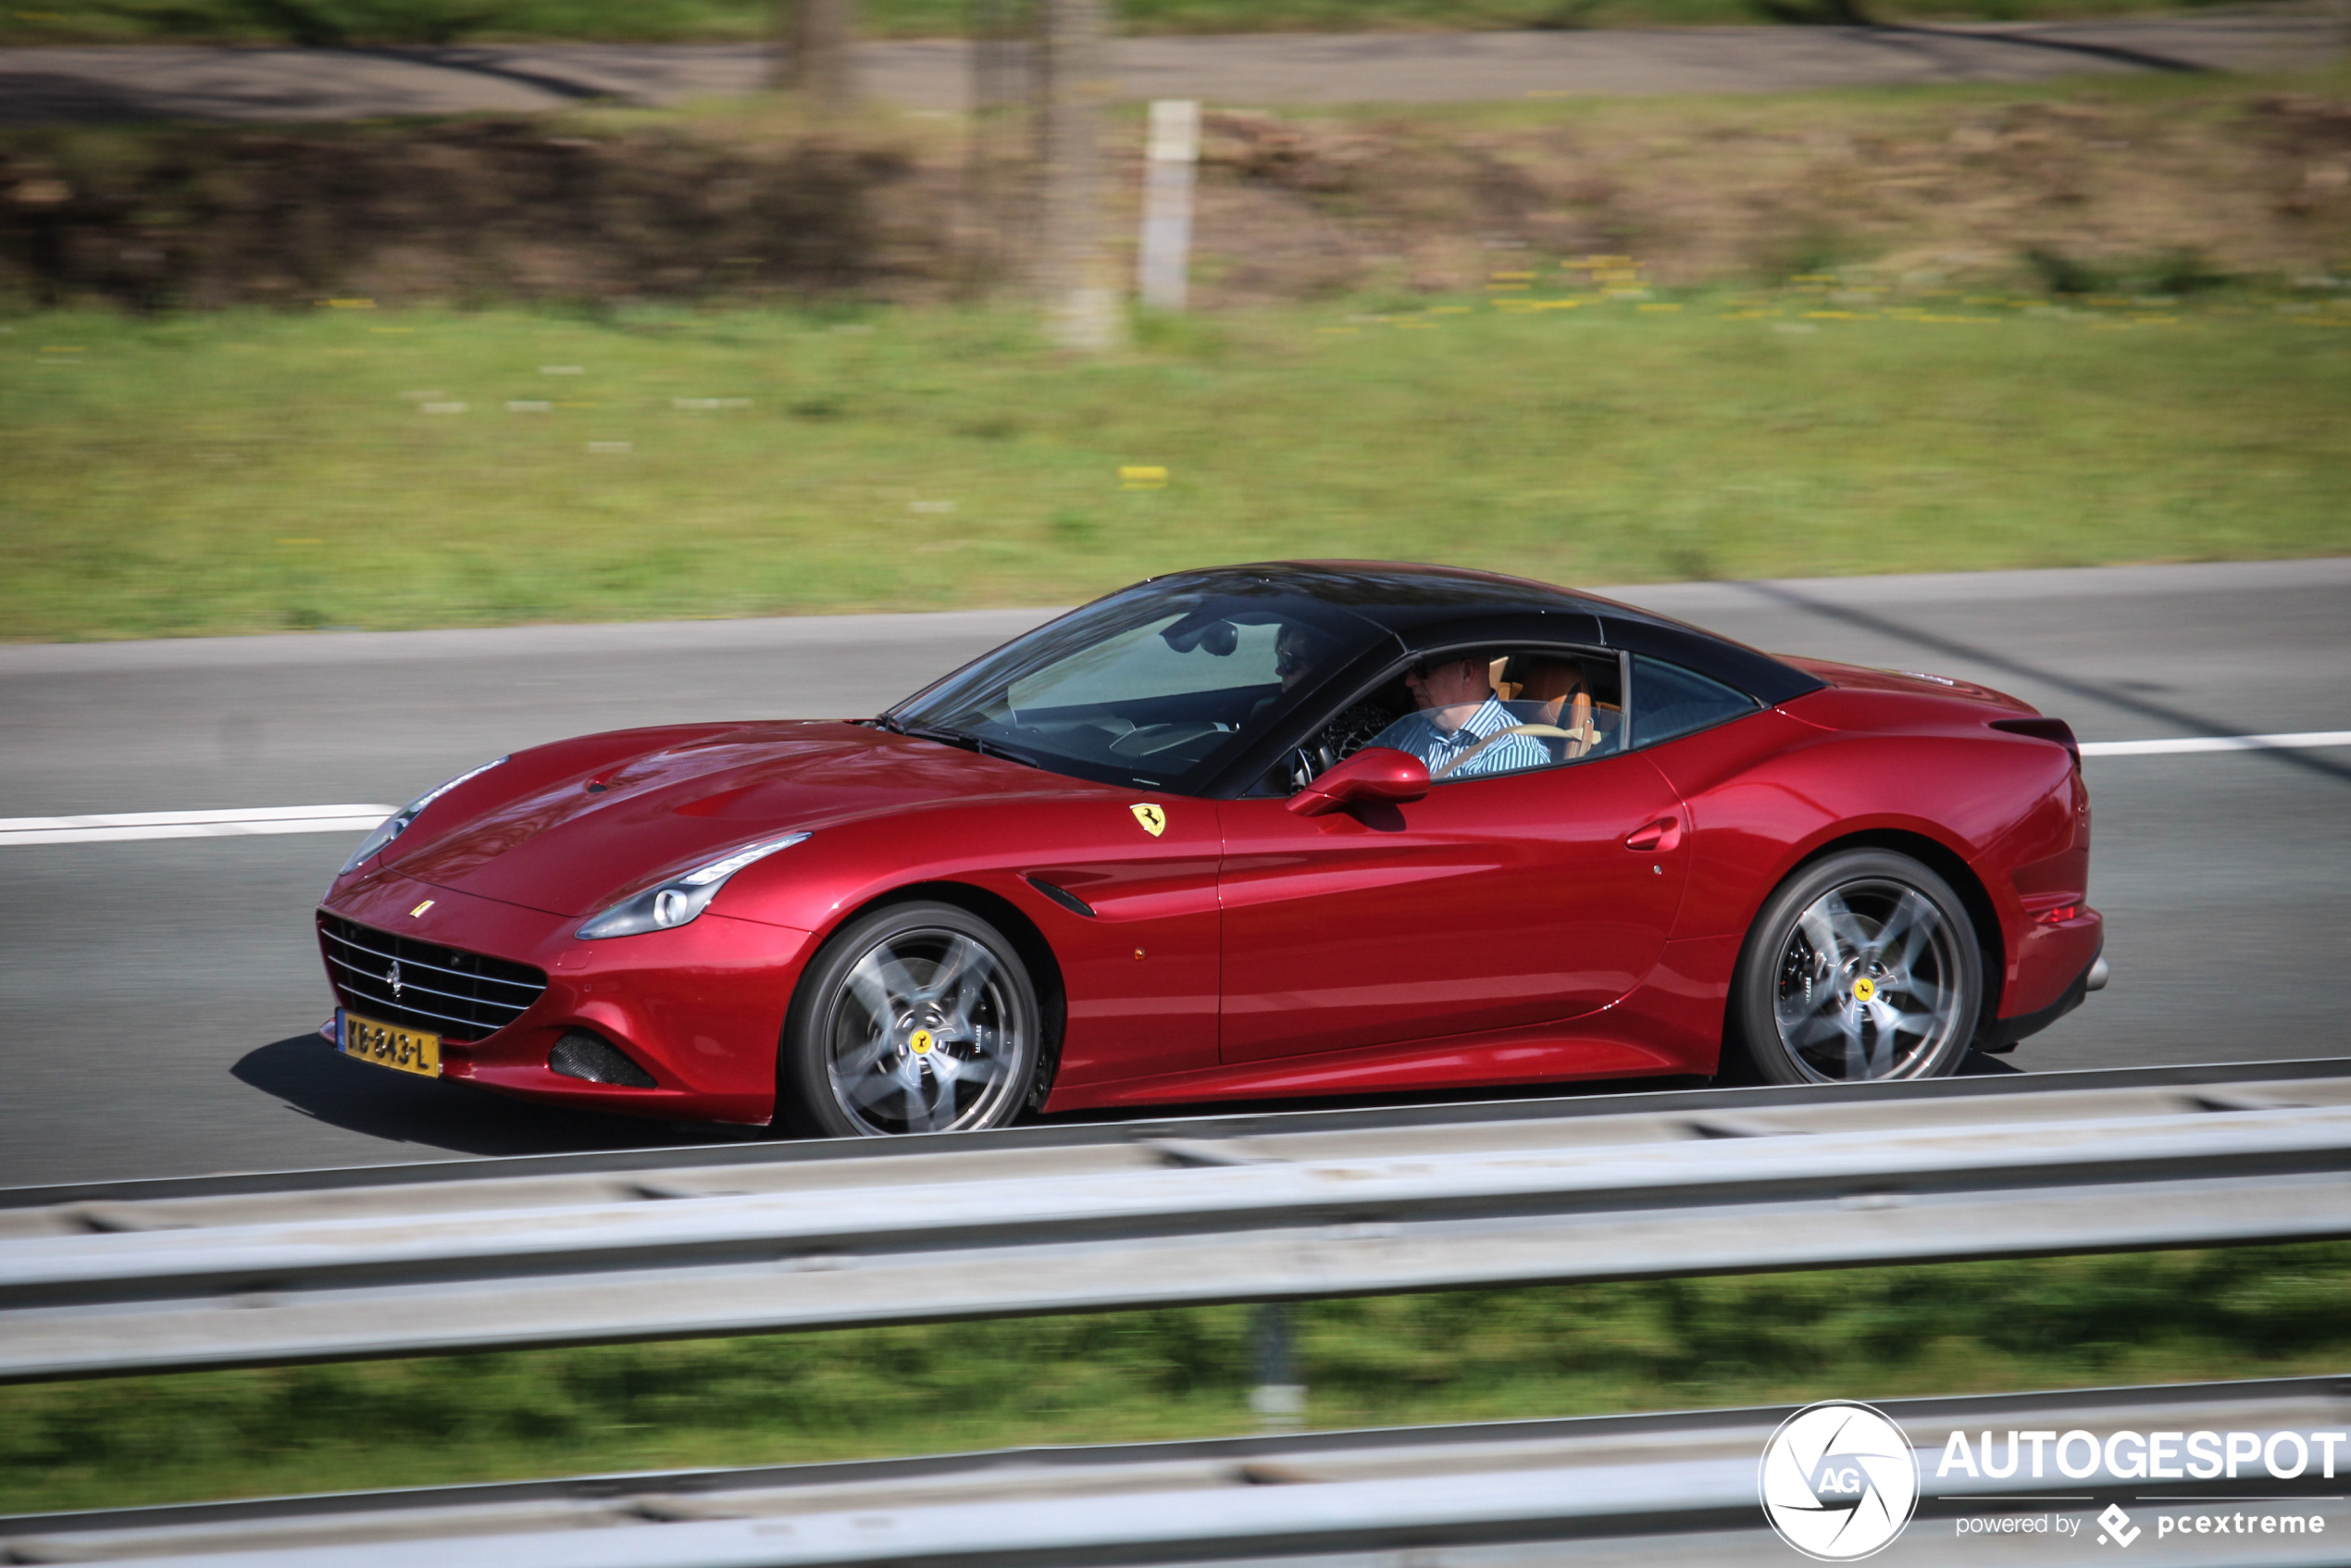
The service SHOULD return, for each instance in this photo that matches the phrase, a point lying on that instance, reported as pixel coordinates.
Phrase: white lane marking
(2302, 741)
(231, 822)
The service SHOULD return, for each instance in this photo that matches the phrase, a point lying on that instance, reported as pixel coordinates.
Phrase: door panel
(1141, 966)
(1493, 903)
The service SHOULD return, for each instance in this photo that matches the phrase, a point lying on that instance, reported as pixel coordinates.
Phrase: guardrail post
(1279, 1398)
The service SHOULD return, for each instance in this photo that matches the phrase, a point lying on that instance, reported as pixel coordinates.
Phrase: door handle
(1661, 837)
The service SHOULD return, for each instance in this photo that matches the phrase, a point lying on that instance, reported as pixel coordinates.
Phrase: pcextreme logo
(1838, 1481)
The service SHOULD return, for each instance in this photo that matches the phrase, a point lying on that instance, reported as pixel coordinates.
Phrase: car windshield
(1159, 685)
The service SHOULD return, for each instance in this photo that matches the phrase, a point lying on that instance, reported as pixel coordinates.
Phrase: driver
(1459, 729)
(1301, 655)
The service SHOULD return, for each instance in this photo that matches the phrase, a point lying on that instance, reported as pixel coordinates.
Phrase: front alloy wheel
(915, 1018)
(1861, 968)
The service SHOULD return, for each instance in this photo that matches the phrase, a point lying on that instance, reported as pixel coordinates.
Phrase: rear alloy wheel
(1863, 967)
(919, 1017)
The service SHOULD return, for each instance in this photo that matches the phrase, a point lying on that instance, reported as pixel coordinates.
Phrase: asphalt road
(131, 82)
(156, 997)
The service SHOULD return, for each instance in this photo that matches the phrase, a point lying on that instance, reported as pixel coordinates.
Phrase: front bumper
(701, 1007)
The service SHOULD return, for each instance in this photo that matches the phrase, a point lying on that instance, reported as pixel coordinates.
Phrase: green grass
(1485, 1355)
(436, 21)
(252, 472)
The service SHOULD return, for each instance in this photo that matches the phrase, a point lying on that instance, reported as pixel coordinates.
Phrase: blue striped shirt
(1418, 734)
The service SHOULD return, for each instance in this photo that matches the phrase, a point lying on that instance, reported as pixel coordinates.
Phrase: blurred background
(386, 384)
(511, 326)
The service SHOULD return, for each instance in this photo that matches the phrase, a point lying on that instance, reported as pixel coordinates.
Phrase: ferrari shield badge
(1154, 820)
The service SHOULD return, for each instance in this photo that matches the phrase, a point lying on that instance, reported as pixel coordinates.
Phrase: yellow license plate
(388, 1045)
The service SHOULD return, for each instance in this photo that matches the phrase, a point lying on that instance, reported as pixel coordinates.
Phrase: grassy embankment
(251, 472)
(1873, 1333)
(436, 21)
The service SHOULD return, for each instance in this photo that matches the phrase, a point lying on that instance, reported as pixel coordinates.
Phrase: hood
(575, 845)
(1914, 683)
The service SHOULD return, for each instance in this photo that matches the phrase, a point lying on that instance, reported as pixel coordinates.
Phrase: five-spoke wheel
(918, 1017)
(1863, 967)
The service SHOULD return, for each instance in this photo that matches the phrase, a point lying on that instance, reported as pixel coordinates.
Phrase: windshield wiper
(968, 742)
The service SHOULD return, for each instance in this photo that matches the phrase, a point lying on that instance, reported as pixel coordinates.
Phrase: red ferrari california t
(1304, 829)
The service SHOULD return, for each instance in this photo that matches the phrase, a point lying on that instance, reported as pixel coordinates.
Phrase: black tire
(957, 1051)
(1861, 968)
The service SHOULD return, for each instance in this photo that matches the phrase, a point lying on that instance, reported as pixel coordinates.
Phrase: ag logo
(1838, 1481)
(2117, 1524)
(1154, 820)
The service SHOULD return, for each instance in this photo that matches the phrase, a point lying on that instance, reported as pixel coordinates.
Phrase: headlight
(391, 826)
(682, 898)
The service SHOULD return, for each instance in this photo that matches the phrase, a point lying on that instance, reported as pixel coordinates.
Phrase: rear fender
(1978, 806)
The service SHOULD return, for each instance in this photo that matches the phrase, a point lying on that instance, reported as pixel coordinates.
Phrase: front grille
(443, 991)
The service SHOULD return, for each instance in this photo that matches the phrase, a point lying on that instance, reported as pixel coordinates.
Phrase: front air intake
(582, 1056)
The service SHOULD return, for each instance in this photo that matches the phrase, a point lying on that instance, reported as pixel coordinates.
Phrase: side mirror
(1374, 774)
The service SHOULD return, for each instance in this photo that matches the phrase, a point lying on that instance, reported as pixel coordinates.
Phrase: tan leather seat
(1566, 696)
(1547, 681)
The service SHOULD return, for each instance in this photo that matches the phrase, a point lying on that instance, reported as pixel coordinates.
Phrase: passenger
(1462, 731)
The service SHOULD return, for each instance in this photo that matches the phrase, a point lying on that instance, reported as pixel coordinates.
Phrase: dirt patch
(494, 209)
(2082, 194)
(2094, 191)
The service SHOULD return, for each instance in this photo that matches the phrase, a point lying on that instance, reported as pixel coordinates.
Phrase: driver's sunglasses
(1288, 661)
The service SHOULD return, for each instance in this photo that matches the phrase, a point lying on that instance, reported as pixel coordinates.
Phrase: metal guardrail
(1565, 1102)
(1660, 1490)
(249, 1271)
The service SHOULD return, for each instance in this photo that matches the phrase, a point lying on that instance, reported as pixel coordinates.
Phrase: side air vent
(1061, 896)
(591, 1057)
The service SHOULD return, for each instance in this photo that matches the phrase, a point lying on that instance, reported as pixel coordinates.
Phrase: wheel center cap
(919, 1042)
(1864, 988)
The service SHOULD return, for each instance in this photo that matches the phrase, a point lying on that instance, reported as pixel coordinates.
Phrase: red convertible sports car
(1306, 828)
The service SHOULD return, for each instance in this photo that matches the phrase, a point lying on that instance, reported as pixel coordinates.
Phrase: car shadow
(313, 1079)
(1974, 1064)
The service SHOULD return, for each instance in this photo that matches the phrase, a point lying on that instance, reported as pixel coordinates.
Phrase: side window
(1478, 714)
(1670, 700)
(1574, 701)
